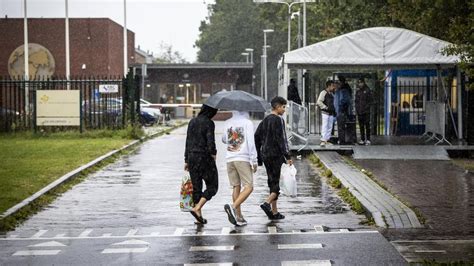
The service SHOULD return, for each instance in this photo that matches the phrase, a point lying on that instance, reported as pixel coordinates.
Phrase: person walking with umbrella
(241, 162)
(272, 150)
(200, 159)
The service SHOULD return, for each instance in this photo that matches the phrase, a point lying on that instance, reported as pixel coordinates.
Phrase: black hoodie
(200, 134)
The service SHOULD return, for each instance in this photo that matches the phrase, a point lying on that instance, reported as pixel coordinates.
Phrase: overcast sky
(174, 22)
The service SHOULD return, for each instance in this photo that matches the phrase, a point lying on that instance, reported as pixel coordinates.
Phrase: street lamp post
(246, 56)
(250, 50)
(265, 59)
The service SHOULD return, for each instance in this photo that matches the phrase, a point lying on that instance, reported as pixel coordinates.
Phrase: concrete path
(407, 152)
(386, 210)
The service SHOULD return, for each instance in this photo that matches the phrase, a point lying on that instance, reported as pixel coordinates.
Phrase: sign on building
(58, 108)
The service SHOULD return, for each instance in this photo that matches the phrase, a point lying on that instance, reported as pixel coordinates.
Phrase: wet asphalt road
(136, 199)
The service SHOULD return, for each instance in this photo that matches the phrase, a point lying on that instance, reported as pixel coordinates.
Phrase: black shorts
(273, 167)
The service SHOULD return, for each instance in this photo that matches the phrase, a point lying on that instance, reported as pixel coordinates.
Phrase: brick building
(96, 45)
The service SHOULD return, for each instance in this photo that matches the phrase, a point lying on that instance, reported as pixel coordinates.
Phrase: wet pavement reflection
(442, 191)
(141, 190)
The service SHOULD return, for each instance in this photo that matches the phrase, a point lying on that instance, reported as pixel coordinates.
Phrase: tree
(167, 55)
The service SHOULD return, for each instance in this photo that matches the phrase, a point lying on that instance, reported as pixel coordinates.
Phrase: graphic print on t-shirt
(235, 138)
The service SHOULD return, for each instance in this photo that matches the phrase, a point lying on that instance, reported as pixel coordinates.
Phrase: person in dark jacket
(342, 103)
(363, 101)
(200, 159)
(272, 150)
(294, 96)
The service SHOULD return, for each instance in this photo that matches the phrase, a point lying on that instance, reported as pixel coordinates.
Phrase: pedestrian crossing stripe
(181, 232)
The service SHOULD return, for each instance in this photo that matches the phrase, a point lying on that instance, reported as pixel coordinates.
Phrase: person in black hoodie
(272, 150)
(200, 159)
(363, 102)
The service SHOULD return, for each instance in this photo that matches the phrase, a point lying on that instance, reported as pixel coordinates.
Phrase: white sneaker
(323, 143)
(361, 142)
(367, 142)
(241, 221)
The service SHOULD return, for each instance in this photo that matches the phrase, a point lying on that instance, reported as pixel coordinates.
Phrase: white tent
(372, 48)
(380, 47)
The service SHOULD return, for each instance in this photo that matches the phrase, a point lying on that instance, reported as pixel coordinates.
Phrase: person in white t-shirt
(241, 159)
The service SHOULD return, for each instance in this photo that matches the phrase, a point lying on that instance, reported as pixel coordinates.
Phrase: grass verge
(32, 161)
(343, 192)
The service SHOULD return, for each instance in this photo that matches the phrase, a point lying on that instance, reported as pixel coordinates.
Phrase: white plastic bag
(288, 180)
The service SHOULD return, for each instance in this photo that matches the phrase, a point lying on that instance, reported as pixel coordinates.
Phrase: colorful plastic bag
(186, 194)
(288, 180)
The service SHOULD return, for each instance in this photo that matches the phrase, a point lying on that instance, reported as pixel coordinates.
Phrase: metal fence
(98, 110)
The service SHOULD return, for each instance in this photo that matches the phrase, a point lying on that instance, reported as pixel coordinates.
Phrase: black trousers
(202, 168)
(364, 125)
(273, 167)
(341, 127)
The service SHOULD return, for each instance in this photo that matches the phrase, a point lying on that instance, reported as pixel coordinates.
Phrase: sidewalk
(386, 210)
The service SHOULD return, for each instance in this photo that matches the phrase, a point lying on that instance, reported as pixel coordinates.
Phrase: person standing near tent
(342, 104)
(273, 151)
(241, 162)
(294, 96)
(200, 159)
(363, 102)
(328, 112)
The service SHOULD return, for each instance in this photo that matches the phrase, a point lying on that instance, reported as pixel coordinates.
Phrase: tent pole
(459, 102)
(446, 100)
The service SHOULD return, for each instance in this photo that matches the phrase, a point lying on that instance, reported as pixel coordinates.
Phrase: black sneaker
(278, 216)
(267, 209)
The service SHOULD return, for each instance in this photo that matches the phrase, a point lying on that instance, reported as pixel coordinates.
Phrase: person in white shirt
(241, 159)
(328, 112)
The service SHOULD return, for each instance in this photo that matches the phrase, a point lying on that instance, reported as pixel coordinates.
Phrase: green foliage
(238, 24)
(355, 204)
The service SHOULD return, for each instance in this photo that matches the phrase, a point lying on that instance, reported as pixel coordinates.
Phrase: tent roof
(379, 47)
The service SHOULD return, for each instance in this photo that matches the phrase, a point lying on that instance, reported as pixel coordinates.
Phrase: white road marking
(132, 242)
(296, 231)
(210, 264)
(59, 235)
(344, 230)
(272, 230)
(48, 244)
(319, 228)
(123, 250)
(85, 233)
(225, 231)
(430, 251)
(110, 236)
(306, 262)
(132, 232)
(39, 234)
(178, 231)
(13, 236)
(299, 246)
(36, 252)
(211, 248)
(155, 234)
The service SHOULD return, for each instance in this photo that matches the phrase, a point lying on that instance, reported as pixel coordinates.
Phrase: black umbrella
(238, 101)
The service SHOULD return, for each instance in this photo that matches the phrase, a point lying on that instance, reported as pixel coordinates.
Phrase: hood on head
(208, 111)
(243, 114)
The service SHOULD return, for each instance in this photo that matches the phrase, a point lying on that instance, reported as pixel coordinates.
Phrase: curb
(77, 172)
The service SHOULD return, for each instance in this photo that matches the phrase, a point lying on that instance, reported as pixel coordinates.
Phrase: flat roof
(209, 65)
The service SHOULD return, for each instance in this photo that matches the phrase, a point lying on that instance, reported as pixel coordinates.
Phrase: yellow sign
(58, 108)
